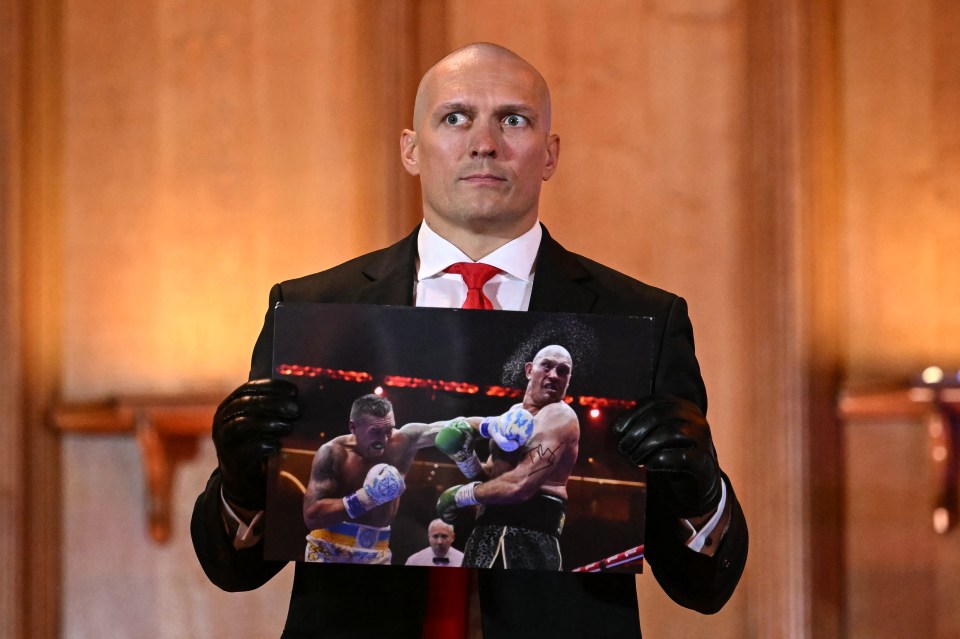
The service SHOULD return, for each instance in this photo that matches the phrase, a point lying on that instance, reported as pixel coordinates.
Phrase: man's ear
(553, 156)
(408, 151)
(528, 367)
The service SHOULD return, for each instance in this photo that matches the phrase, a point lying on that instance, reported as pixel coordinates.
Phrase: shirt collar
(516, 257)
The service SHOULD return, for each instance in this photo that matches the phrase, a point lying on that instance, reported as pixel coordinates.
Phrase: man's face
(481, 144)
(440, 537)
(548, 376)
(373, 434)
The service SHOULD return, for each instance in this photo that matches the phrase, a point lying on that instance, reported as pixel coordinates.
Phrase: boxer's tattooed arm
(321, 500)
(543, 458)
(553, 448)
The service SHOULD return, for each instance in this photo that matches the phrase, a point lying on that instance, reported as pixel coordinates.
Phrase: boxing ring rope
(630, 556)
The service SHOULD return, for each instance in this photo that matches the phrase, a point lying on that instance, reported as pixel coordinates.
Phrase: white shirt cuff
(246, 535)
(698, 539)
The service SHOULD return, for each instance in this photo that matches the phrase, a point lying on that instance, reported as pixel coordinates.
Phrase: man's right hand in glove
(247, 428)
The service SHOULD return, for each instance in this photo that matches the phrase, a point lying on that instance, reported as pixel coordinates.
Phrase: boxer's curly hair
(580, 340)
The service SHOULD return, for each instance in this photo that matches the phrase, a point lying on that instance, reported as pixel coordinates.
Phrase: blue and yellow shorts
(348, 543)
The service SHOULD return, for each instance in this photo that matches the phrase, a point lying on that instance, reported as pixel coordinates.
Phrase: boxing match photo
(454, 437)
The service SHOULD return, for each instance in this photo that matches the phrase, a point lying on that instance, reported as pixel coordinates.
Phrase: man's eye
(455, 119)
(515, 120)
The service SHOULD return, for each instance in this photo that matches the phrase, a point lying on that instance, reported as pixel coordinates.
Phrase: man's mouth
(377, 446)
(483, 178)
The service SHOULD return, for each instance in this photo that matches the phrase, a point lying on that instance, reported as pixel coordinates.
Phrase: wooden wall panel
(110, 558)
(903, 578)
(901, 226)
(212, 150)
(902, 210)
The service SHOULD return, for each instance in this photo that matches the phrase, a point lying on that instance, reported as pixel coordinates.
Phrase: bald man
(440, 550)
(481, 146)
(523, 504)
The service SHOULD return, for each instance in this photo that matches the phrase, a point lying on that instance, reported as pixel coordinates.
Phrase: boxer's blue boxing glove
(383, 483)
(454, 498)
(455, 440)
(511, 430)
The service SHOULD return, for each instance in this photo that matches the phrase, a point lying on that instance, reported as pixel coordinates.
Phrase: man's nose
(485, 141)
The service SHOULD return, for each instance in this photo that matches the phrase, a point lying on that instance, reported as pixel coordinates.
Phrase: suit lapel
(558, 285)
(391, 274)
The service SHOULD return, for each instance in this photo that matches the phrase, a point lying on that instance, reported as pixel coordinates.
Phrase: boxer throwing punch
(356, 480)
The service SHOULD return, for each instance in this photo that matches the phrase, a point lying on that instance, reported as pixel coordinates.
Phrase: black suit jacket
(335, 601)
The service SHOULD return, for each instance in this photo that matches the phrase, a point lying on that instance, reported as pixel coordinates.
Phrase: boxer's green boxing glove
(455, 440)
(455, 498)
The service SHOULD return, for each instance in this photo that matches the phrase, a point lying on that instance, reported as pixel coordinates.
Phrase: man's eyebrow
(453, 107)
(522, 109)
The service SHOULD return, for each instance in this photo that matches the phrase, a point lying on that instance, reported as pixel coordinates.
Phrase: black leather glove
(671, 437)
(247, 428)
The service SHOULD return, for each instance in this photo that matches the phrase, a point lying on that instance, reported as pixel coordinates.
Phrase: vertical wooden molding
(11, 415)
(946, 103)
(792, 284)
(40, 221)
(405, 38)
(385, 86)
(397, 43)
(822, 295)
(778, 589)
(397, 29)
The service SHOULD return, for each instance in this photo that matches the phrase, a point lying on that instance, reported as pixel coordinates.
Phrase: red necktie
(474, 276)
(448, 591)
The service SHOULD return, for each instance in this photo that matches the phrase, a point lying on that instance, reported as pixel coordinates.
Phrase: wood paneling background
(901, 122)
(792, 169)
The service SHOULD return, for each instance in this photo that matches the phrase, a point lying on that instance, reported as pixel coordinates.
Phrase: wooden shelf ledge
(907, 402)
(168, 429)
(935, 407)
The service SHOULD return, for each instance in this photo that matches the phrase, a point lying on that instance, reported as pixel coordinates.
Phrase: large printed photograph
(450, 437)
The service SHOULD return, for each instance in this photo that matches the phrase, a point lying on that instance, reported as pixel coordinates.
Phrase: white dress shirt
(425, 558)
(508, 290)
